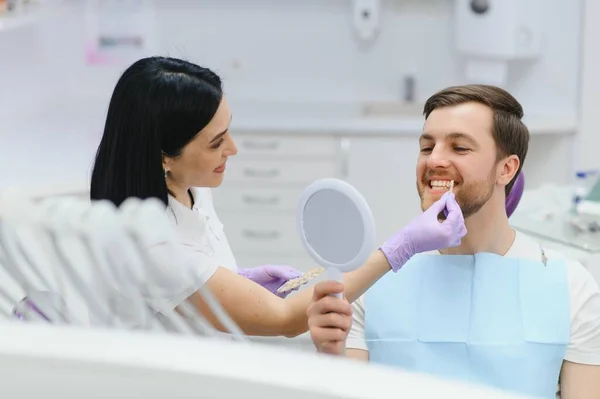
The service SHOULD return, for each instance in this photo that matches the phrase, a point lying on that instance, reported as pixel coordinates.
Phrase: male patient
(497, 309)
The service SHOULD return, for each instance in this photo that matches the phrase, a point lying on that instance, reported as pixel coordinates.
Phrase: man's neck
(488, 230)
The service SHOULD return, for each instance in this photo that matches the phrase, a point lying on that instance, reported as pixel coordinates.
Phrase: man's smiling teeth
(440, 183)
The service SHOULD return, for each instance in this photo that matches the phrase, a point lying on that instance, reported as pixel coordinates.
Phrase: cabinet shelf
(351, 119)
(30, 14)
(20, 19)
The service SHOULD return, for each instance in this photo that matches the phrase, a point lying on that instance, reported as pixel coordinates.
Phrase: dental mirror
(336, 226)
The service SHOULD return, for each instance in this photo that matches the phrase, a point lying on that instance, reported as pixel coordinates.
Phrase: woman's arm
(356, 283)
(259, 312)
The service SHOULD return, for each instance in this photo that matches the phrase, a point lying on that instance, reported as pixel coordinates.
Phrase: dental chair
(514, 196)
(70, 362)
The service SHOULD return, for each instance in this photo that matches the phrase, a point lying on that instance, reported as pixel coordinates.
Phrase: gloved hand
(270, 277)
(426, 233)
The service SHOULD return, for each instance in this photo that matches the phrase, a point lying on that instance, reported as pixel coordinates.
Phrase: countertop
(368, 119)
(365, 119)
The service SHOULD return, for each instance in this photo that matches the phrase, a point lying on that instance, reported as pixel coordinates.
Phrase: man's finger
(332, 347)
(330, 304)
(326, 288)
(331, 321)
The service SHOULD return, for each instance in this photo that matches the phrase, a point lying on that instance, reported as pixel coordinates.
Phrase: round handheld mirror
(336, 226)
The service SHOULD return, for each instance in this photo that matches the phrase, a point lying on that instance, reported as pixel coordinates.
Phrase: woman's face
(203, 160)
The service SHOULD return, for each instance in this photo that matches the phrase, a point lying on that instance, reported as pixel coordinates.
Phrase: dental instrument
(93, 255)
(24, 274)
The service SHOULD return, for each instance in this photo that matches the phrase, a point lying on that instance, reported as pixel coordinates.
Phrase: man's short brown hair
(509, 132)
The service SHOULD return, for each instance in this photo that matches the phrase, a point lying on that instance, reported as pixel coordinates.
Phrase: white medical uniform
(182, 269)
(203, 244)
(584, 345)
(201, 223)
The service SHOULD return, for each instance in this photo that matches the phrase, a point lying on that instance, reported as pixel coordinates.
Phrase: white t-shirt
(584, 345)
(203, 246)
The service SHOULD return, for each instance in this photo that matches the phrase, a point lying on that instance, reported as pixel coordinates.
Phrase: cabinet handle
(261, 145)
(344, 157)
(249, 199)
(261, 173)
(261, 234)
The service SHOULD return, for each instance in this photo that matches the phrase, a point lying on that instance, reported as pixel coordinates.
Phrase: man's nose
(439, 158)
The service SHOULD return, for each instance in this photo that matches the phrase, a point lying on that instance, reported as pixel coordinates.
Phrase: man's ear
(507, 169)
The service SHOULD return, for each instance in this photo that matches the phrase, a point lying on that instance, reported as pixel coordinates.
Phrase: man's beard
(470, 196)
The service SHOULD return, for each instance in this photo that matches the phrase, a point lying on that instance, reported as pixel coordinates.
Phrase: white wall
(588, 140)
(52, 104)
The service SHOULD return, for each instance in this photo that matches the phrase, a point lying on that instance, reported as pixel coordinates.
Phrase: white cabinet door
(383, 170)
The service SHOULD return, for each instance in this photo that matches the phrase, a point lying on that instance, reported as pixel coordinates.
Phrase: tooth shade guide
(451, 185)
(303, 279)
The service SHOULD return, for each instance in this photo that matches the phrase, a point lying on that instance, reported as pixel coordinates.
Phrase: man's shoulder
(581, 282)
(574, 267)
(359, 303)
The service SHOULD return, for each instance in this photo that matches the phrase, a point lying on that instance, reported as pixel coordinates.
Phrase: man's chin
(429, 199)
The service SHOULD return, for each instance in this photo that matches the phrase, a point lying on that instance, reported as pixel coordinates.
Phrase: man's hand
(329, 318)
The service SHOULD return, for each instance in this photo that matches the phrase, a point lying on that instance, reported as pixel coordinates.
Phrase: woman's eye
(218, 144)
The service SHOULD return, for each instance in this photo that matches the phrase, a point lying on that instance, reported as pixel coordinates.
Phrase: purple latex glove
(270, 277)
(427, 233)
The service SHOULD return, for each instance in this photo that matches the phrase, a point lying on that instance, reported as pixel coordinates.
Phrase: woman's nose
(231, 148)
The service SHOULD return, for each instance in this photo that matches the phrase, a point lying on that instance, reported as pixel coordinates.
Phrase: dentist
(167, 136)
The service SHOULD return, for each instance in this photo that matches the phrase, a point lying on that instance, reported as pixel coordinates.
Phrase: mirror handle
(335, 275)
(345, 155)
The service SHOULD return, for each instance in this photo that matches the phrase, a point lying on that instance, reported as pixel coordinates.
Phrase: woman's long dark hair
(158, 106)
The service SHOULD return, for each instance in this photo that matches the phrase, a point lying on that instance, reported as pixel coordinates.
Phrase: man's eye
(461, 149)
(426, 149)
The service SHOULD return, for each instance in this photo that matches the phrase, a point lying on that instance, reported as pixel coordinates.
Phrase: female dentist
(167, 136)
